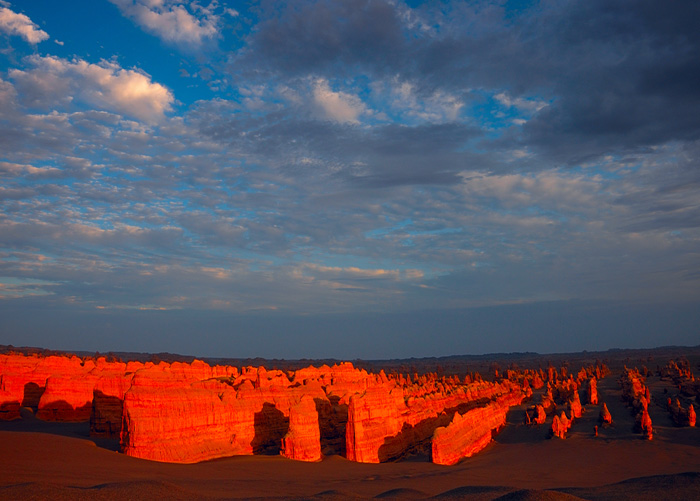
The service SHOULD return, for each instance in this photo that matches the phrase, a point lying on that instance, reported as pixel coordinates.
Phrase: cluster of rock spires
(190, 412)
(638, 397)
(563, 390)
(683, 379)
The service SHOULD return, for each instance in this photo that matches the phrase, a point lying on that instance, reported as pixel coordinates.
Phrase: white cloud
(530, 105)
(438, 107)
(13, 23)
(172, 21)
(553, 189)
(337, 106)
(105, 85)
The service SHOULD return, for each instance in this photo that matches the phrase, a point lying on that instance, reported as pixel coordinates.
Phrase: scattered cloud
(353, 157)
(174, 21)
(53, 81)
(17, 24)
(338, 106)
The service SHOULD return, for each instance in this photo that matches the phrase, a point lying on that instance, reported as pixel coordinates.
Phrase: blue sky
(349, 179)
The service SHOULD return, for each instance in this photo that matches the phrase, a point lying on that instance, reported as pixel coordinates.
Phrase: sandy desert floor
(59, 461)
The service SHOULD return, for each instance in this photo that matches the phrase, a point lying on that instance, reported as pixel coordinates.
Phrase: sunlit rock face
(303, 440)
(470, 432)
(593, 391)
(384, 425)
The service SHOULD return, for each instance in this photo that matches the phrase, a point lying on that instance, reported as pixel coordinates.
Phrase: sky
(349, 179)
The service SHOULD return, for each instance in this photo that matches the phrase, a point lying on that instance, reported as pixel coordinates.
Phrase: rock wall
(470, 432)
(384, 425)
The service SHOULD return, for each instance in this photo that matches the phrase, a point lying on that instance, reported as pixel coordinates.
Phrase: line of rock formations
(190, 412)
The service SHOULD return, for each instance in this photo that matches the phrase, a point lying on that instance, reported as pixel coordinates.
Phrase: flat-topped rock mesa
(58, 388)
(24, 377)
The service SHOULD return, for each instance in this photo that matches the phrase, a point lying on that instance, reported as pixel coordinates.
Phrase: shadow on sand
(31, 424)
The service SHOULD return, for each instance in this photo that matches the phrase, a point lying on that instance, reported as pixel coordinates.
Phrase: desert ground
(42, 460)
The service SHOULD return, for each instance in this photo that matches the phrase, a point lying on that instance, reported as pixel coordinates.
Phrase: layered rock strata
(472, 431)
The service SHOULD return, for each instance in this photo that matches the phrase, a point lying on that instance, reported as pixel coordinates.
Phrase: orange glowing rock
(643, 424)
(373, 417)
(9, 405)
(182, 424)
(24, 377)
(540, 415)
(560, 425)
(605, 417)
(386, 423)
(108, 403)
(691, 416)
(169, 416)
(575, 406)
(67, 398)
(470, 432)
(593, 391)
(303, 440)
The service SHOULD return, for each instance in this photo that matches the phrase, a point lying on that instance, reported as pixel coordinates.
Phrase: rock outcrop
(374, 418)
(303, 440)
(691, 416)
(605, 418)
(470, 432)
(593, 391)
(575, 407)
(643, 424)
(561, 425)
(680, 415)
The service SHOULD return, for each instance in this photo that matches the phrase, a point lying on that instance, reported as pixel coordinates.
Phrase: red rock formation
(643, 424)
(633, 389)
(691, 416)
(373, 417)
(470, 432)
(680, 415)
(575, 406)
(605, 417)
(547, 401)
(593, 391)
(108, 403)
(170, 417)
(537, 381)
(24, 377)
(540, 416)
(385, 424)
(182, 424)
(180, 412)
(9, 405)
(535, 415)
(560, 425)
(67, 398)
(303, 440)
